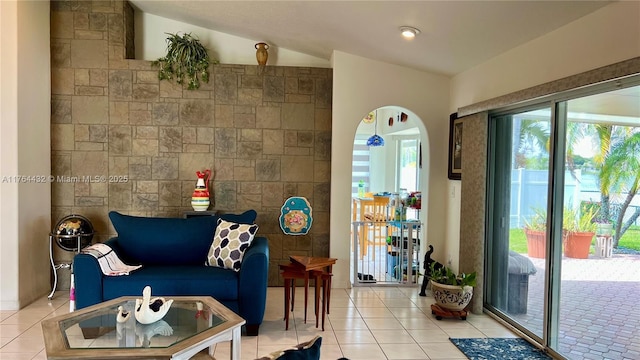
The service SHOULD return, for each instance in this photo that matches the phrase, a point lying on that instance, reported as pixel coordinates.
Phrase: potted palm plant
(535, 230)
(451, 291)
(578, 232)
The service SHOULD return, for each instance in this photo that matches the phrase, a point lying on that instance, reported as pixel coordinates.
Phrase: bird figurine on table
(123, 315)
(149, 310)
(122, 322)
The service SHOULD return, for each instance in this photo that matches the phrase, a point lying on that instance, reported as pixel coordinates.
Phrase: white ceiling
(456, 35)
(621, 107)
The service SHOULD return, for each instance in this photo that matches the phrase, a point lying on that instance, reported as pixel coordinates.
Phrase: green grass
(630, 240)
(517, 241)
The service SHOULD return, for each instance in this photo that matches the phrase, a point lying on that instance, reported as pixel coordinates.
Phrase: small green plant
(185, 57)
(579, 221)
(538, 221)
(444, 275)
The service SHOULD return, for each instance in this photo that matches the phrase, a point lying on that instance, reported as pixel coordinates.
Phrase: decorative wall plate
(296, 216)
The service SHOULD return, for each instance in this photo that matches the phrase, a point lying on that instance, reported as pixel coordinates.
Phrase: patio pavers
(598, 316)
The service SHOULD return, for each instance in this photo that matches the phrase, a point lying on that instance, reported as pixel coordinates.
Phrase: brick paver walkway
(599, 307)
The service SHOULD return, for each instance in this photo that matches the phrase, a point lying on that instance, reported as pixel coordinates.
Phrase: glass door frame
(557, 147)
(493, 225)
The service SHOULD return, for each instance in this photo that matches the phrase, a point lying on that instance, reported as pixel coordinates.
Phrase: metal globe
(69, 228)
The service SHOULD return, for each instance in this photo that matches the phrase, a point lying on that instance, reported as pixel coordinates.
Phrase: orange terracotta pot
(577, 244)
(536, 243)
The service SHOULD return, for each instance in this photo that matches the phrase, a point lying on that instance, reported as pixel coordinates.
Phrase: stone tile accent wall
(140, 141)
(473, 193)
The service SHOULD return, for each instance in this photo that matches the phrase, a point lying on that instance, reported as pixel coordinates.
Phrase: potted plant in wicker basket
(452, 292)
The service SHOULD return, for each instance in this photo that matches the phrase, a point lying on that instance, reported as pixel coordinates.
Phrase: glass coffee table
(191, 325)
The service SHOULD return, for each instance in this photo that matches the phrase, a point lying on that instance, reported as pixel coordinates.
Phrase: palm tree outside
(620, 172)
(616, 163)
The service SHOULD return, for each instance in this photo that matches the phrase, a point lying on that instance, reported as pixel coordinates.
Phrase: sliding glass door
(563, 220)
(600, 267)
(516, 256)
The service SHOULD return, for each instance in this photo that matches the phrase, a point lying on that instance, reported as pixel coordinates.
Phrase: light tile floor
(365, 323)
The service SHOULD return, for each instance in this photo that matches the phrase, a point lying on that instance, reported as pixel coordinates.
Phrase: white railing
(392, 262)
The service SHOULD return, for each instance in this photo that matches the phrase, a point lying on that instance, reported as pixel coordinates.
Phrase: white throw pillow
(229, 244)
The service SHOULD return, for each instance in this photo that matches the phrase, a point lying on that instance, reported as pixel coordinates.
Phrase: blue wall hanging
(295, 216)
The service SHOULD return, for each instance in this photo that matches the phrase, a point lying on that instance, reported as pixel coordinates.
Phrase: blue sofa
(172, 252)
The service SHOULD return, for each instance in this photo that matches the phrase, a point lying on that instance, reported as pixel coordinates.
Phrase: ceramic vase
(261, 53)
(200, 198)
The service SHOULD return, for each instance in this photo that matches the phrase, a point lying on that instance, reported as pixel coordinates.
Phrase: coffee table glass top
(184, 320)
(192, 324)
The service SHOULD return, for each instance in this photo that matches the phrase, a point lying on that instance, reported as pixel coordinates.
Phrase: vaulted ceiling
(455, 35)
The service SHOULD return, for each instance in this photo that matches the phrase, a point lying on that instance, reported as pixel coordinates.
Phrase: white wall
(359, 85)
(228, 49)
(34, 124)
(8, 156)
(25, 100)
(604, 37)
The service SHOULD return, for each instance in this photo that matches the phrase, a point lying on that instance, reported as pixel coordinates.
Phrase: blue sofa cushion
(164, 241)
(247, 217)
(170, 280)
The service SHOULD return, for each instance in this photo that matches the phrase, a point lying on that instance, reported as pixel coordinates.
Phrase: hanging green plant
(186, 58)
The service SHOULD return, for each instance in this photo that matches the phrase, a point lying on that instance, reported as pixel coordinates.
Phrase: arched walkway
(400, 165)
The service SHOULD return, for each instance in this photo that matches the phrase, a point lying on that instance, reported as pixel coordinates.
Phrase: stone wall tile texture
(265, 135)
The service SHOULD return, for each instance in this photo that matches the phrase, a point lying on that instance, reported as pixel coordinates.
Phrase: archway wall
(359, 86)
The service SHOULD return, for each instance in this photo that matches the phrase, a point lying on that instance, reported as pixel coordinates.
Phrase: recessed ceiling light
(409, 32)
